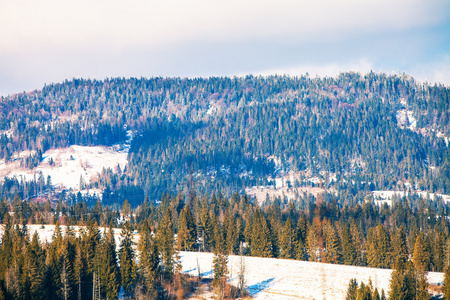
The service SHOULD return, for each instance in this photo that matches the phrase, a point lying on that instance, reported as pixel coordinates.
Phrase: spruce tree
(400, 245)
(186, 237)
(126, 258)
(332, 245)
(148, 267)
(312, 244)
(36, 268)
(109, 269)
(446, 285)
(165, 236)
(352, 289)
(261, 236)
(383, 247)
(287, 241)
(220, 268)
(421, 260)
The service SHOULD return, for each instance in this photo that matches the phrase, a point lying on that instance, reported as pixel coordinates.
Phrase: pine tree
(383, 247)
(109, 269)
(399, 245)
(66, 267)
(186, 237)
(148, 267)
(287, 241)
(126, 258)
(358, 244)
(220, 268)
(352, 290)
(205, 229)
(165, 237)
(446, 285)
(403, 281)
(332, 246)
(421, 260)
(261, 236)
(421, 256)
(312, 244)
(232, 235)
(373, 258)
(36, 268)
(79, 268)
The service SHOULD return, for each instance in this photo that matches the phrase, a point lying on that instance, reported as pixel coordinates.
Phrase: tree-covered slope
(228, 133)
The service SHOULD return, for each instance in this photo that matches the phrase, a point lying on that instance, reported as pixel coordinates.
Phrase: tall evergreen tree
(127, 263)
(148, 266)
(446, 285)
(109, 269)
(187, 232)
(333, 250)
(165, 236)
(287, 241)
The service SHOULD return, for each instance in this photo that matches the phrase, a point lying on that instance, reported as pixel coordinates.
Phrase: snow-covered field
(70, 164)
(270, 278)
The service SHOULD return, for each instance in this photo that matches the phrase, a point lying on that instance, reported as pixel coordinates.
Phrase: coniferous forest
(195, 145)
(232, 133)
(411, 236)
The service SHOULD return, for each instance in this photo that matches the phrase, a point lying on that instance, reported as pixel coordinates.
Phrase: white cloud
(122, 24)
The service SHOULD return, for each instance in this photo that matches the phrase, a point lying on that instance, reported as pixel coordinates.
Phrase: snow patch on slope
(405, 119)
(67, 165)
(382, 197)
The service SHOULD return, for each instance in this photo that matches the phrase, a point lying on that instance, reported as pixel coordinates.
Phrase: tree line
(403, 236)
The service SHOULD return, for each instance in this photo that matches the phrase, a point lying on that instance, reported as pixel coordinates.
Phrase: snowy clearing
(386, 196)
(69, 165)
(271, 278)
(260, 193)
(405, 118)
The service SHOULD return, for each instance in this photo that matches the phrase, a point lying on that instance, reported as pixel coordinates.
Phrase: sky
(49, 41)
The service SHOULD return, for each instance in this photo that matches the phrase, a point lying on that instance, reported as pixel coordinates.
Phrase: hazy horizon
(48, 41)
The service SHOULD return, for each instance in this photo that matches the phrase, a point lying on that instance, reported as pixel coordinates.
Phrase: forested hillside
(212, 134)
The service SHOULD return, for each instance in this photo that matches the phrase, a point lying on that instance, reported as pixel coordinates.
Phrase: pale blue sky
(51, 40)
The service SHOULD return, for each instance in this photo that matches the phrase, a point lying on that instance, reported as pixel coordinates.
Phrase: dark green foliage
(126, 260)
(165, 236)
(446, 286)
(363, 291)
(287, 241)
(403, 281)
(352, 290)
(261, 244)
(108, 266)
(148, 267)
(187, 233)
(227, 128)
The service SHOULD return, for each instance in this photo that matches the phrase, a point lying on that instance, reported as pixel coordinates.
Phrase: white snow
(386, 196)
(406, 119)
(70, 164)
(270, 278)
(441, 135)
